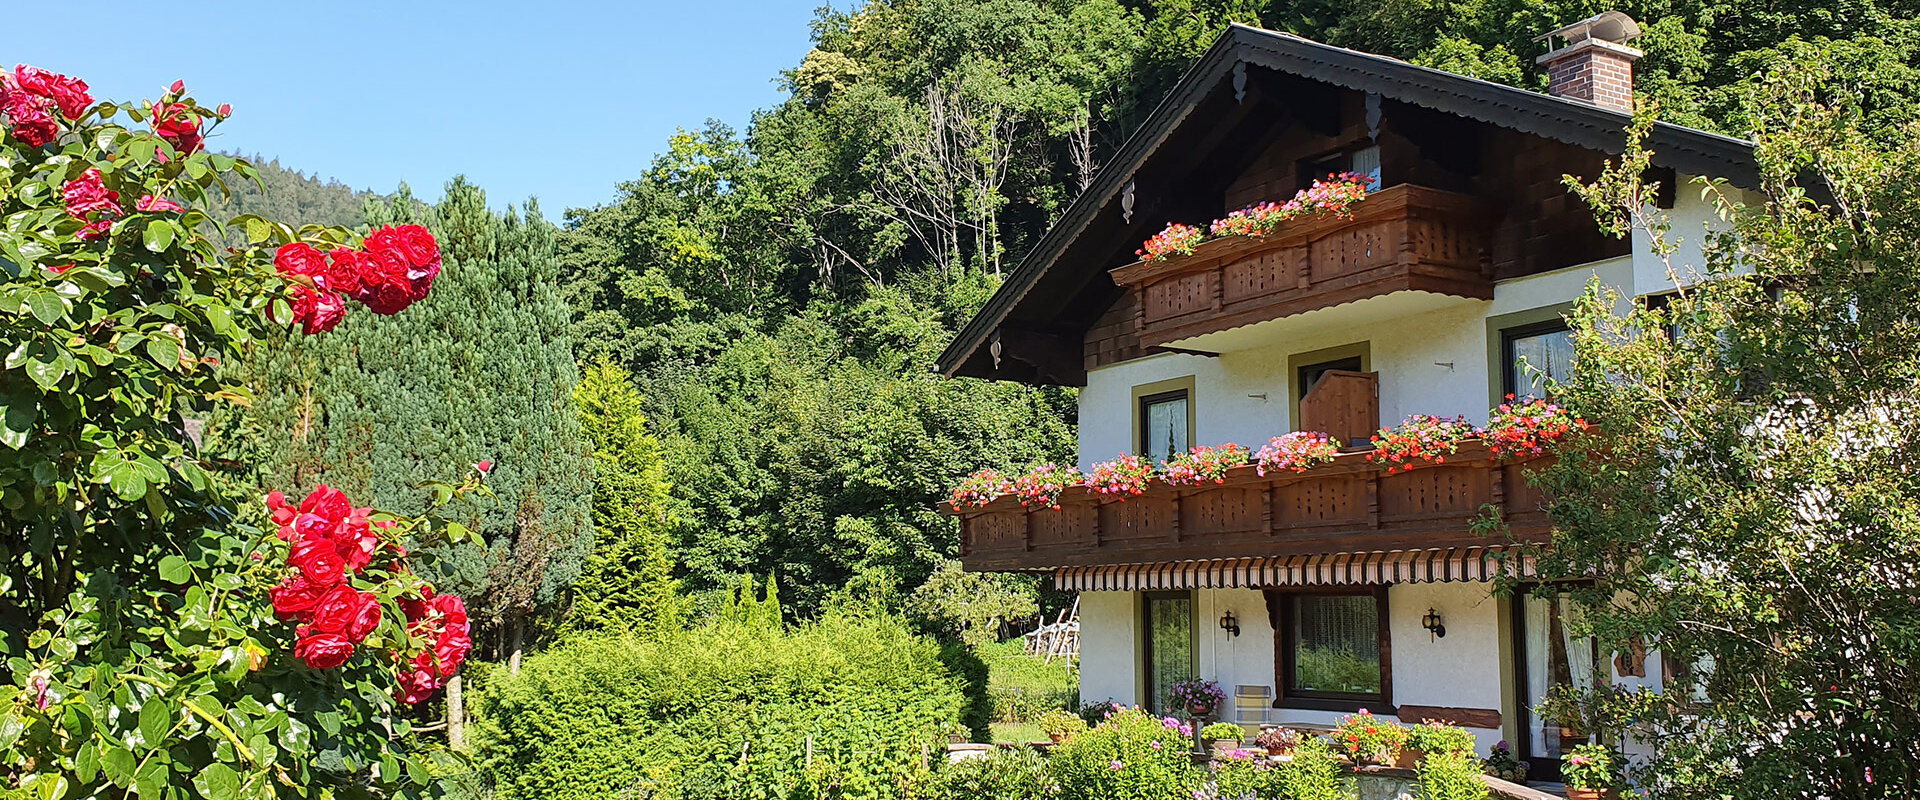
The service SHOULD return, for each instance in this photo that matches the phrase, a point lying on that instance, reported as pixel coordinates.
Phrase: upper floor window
(1533, 354)
(1361, 161)
(1165, 422)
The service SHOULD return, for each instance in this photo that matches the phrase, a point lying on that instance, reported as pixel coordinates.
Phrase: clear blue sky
(561, 99)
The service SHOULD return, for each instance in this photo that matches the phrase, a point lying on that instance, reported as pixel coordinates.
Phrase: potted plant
(1591, 772)
(1199, 697)
(1223, 735)
(1060, 725)
(1277, 741)
(1433, 737)
(1368, 739)
(1502, 764)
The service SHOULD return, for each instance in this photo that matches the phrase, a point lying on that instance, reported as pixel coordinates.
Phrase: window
(1169, 645)
(1361, 161)
(1550, 656)
(1332, 650)
(1310, 374)
(1533, 354)
(1165, 424)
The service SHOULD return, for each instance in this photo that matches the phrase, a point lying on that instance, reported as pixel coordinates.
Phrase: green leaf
(117, 763)
(159, 235)
(156, 720)
(165, 351)
(218, 782)
(257, 230)
(174, 569)
(48, 365)
(123, 478)
(17, 415)
(49, 787)
(47, 306)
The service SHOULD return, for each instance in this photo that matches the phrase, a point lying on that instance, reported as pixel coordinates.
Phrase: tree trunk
(516, 635)
(456, 716)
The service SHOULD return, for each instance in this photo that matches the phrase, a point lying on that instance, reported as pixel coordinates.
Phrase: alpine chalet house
(1309, 595)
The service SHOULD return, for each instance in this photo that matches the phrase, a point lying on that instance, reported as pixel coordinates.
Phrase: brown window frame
(1140, 413)
(1280, 614)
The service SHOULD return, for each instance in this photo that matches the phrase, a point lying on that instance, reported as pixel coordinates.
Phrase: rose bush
(160, 639)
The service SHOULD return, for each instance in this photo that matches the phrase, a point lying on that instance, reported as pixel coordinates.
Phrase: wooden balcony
(1348, 506)
(1402, 238)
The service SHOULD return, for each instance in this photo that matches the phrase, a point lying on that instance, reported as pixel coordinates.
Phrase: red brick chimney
(1594, 65)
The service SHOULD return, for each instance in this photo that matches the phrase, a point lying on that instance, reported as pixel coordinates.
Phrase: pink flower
(1117, 765)
(150, 204)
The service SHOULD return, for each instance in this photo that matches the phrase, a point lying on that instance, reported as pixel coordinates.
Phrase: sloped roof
(1683, 149)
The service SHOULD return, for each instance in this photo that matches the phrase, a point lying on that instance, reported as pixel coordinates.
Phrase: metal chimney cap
(1610, 26)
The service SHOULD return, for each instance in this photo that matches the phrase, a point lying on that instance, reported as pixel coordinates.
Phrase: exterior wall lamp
(1431, 622)
(1230, 623)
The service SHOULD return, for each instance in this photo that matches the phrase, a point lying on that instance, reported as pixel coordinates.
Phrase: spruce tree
(481, 370)
(627, 583)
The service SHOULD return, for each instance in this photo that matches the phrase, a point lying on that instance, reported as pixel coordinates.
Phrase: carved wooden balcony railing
(1400, 238)
(1350, 505)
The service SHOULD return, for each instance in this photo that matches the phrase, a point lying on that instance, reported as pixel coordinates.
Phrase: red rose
(322, 650)
(34, 80)
(179, 124)
(283, 513)
(295, 597)
(299, 258)
(319, 561)
(415, 686)
(317, 311)
(356, 540)
(95, 230)
(418, 610)
(87, 194)
(150, 204)
(327, 502)
(70, 94)
(384, 286)
(347, 611)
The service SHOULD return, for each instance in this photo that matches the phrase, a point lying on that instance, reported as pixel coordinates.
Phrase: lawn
(1023, 687)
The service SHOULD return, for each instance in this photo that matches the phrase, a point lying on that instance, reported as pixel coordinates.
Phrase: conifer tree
(481, 370)
(627, 583)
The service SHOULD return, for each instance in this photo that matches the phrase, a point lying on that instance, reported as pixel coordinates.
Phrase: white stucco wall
(1690, 217)
(1434, 362)
(1109, 658)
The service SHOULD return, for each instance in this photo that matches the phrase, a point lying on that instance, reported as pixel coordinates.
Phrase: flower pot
(1224, 745)
(1057, 737)
(1409, 758)
(1590, 794)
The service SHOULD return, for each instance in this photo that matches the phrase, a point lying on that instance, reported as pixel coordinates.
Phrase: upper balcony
(1347, 506)
(1402, 238)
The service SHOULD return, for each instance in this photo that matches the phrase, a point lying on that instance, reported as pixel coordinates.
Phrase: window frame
(1146, 639)
(1280, 608)
(1509, 379)
(1160, 391)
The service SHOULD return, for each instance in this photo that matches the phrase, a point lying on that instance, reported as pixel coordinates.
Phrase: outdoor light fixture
(1431, 622)
(1229, 623)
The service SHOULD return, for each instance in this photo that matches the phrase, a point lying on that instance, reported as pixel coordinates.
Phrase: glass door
(1169, 644)
(1550, 657)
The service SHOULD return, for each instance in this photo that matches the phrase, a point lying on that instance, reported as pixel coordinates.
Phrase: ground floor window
(1333, 649)
(1169, 644)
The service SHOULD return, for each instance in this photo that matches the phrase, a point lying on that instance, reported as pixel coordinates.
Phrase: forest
(714, 441)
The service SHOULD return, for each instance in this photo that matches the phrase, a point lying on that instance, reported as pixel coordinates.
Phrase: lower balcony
(1350, 505)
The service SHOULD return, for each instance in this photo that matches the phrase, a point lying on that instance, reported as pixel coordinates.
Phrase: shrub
(1223, 732)
(1061, 723)
(1438, 737)
(1132, 755)
(1451, 775)
(724, 710)
(1278, 741)
(1016, 773)
(1313, 774)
